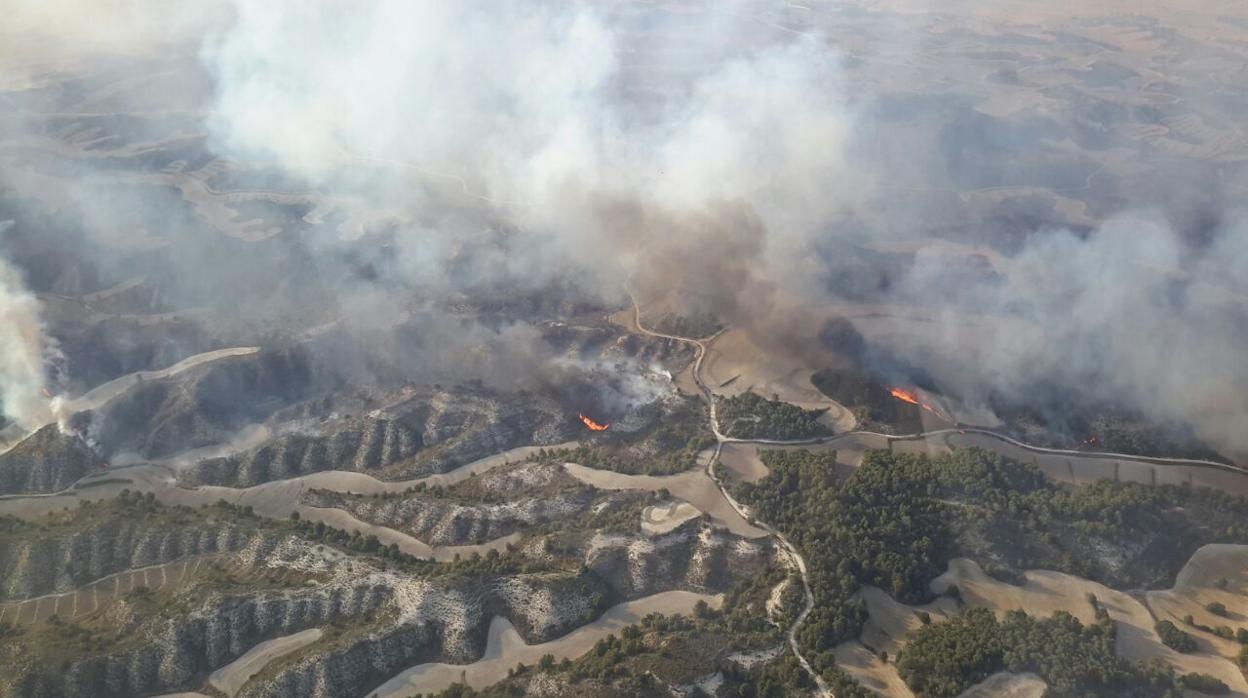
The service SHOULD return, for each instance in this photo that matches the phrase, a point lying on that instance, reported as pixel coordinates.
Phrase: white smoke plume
(509, 147)
(528, 108)
(23, 351)
(1130, 313)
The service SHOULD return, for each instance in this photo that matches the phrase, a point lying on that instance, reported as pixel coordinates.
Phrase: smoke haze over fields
(525, 106)
(469, 149)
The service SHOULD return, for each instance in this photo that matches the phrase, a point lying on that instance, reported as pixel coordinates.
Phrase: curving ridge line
(104, 393)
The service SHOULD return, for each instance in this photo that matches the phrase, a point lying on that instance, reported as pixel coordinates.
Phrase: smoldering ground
(458, 151)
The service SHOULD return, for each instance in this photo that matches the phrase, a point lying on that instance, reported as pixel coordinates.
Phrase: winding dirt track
(795, 559)
(279, 499)
(1060, 465)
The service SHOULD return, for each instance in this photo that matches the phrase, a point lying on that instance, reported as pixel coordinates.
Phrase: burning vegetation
(592, 425)
(914, 399)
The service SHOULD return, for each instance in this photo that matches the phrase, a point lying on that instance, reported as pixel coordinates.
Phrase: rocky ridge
(36, 565)
(46, 461)
(421, 436)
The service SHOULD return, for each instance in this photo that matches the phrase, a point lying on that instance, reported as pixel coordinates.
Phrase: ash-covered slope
(201, 406)
(358, 445)
(423, 435)
(46, 461)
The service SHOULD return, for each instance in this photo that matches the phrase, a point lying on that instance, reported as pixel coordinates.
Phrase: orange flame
(593, 426)
(904, 395)
(913, 399)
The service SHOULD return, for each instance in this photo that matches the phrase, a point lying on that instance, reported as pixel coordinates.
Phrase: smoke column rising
(23, 350)
(688, 151)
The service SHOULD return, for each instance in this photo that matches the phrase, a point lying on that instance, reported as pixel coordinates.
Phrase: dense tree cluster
(899, 518)
(879, 528)
(775, 679)
(1209, 685)
(751, 416)
(1075, 660)
(1174, 638)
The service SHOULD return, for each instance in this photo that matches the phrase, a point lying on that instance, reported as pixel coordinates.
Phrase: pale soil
(776, 596)
(869, 670)
(102, 394)
(1007, 685)
(276, 498)
(1046, 592)
(247, 438)
(693, 486)
(683, 379)
(1197, 585)
(505, 648)
(658, 519)
(279, 499)
(887, 627)
(892, 621)
(653, 310)
(734, 364)
(229, 679)
(742, 460)
(755, 657)
(337, 518)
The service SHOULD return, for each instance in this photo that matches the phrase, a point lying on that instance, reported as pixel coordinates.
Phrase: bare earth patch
(1046, 592)
(505, 648)
(692, 486)
(658, 519)
(230, 678)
